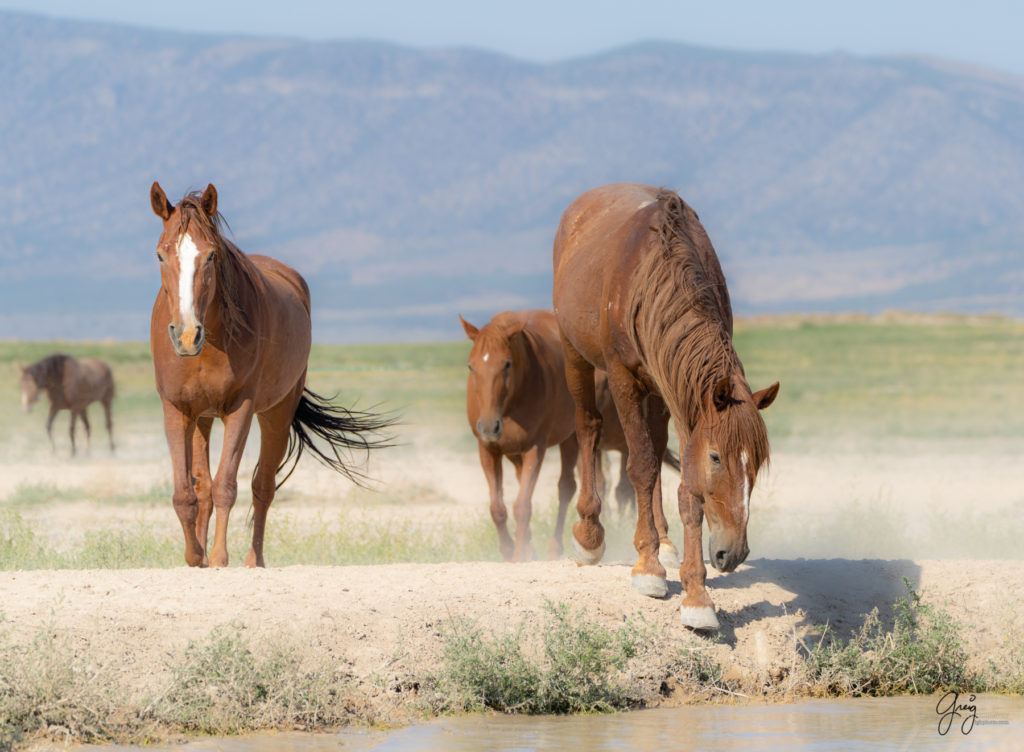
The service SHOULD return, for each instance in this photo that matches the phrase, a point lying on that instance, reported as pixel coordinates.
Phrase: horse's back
(283, 277)
(89, 379)
(599, 241)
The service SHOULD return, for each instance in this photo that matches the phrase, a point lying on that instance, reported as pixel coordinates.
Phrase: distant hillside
(410, 185)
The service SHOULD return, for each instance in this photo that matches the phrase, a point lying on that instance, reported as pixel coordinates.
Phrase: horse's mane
(49, 372)
(235, 272)
(682, 328)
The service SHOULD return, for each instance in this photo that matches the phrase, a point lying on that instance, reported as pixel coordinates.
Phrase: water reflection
(902, 723)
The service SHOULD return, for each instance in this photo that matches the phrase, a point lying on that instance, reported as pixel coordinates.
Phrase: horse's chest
(201, 396)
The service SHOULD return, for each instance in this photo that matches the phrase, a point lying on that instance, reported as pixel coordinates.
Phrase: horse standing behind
(230, 336)
(71, 384)
(518, 405)
(639, 293)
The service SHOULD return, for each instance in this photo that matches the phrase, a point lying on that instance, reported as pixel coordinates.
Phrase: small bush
(923, 653)
(224, 687)
(46, 688)
(565, 665)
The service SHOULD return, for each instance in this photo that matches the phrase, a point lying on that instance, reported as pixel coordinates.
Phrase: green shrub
(922, 653)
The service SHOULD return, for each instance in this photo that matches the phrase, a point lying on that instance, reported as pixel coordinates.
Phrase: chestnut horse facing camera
(230, 336)
(639, 293)
(518, 405)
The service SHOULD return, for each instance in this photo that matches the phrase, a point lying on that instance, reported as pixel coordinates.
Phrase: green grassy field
(868, 386)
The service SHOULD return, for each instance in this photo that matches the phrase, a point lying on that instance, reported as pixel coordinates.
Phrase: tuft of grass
(47, 688)
(922, 653)
(565, 665)
(223, 686)
(32, 494)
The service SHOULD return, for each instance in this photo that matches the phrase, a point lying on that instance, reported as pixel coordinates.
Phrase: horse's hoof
(699, 617)
(583, 556)
(650, 585)
(669, 557)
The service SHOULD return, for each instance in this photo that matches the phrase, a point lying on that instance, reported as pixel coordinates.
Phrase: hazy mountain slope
(410, 184)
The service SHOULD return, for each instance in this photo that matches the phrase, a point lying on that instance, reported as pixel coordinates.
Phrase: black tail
(341, 429)
(671, 459)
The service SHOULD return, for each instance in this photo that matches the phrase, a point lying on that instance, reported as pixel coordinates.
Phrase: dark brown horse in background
(639, 292)
(230, 336)
(518, 405)
(71, 384)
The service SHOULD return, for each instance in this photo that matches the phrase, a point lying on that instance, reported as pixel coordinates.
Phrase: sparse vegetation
(922, 653)
(223, 684)
(565, 664)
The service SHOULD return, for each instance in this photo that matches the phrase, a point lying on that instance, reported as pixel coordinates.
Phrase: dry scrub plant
(922, 653)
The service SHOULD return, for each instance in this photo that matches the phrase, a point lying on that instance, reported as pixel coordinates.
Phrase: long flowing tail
(341, 431)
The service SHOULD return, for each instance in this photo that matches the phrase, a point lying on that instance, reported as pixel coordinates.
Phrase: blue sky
(987, 32)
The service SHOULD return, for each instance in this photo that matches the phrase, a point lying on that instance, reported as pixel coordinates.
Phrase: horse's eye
(160, 257)
(209, 258)
(716, 458)
(470, 367)
(508, 364)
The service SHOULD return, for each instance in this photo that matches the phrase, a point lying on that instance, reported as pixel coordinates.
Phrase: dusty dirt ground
(383, 621)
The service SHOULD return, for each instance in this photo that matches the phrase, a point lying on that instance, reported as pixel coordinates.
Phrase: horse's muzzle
(187, 343)
(726, 554)
(489, 429)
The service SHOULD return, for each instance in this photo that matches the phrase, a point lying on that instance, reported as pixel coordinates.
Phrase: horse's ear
(209, 200)
(721, 395)
(471, 331)
(766, 396)
(161, 206)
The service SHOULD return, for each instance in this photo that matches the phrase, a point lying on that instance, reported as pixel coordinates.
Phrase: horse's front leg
(696, 611)
(588, 533)
(490, 462)
(529, 468)
(225, 484)
(49, 426)
(179, 429)
(202, 481)
(643, 467)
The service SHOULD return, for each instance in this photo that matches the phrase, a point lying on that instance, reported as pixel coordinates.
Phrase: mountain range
(409, 185)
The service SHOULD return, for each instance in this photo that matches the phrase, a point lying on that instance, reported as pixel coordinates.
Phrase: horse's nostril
(720, 557)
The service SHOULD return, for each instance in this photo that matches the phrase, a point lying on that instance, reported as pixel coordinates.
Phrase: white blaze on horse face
(746, 486)
(188, 255)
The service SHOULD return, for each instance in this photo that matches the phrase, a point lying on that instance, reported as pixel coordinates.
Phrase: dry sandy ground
(383, 620)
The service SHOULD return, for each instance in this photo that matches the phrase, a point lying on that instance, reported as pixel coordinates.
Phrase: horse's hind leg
(225, 483)
(88, 429)
(110, 423)
(275, 427)
(625, 496)
(587, 533)
(202, 482)
(74, 418)
(569, 449)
